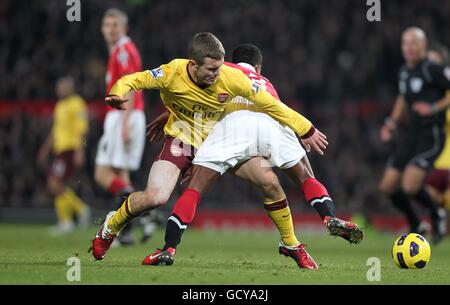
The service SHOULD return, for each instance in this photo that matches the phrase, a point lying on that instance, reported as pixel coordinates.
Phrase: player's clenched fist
(318, 141)
(116, 102)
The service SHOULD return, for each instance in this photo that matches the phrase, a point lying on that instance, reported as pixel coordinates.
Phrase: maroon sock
(317, 196)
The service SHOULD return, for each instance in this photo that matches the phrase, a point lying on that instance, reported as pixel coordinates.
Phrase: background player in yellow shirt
(195, 92)
(66, 142)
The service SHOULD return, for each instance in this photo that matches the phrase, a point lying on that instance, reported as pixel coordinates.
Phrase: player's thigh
(390, 181)
(300, 171)
(162, 180)
(413, 179)
(258, 172)
(202, 178)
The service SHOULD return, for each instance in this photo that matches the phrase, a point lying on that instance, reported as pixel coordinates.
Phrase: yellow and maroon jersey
(194, 110)
(70, 124)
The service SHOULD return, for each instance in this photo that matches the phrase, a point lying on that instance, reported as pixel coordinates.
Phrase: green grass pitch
(29, 255)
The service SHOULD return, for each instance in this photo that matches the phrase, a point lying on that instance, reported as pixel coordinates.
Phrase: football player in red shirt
(122, 144)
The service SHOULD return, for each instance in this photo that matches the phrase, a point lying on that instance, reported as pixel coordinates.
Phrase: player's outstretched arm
(311, 137)
(149, 79)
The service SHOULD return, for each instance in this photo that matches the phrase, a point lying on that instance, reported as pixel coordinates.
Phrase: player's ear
(258, 69)
(193, 63)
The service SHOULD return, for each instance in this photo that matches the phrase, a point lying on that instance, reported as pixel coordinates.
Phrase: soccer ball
(411, 251)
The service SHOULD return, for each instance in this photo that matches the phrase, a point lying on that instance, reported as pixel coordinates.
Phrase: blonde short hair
(115, 12)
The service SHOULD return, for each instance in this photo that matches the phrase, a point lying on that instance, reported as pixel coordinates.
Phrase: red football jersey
(124, 59)
(255, 77)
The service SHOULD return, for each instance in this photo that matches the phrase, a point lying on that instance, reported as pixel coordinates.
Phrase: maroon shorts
(438, 179)
(177, 152)
(62, 166)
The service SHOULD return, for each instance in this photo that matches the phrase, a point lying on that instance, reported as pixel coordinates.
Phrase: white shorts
(244, 134)
(112, 151)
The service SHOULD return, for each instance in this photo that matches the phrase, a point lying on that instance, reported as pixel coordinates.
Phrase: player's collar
(203, 87)
(247, 66)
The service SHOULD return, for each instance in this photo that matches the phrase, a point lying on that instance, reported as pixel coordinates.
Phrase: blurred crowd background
(324, 57)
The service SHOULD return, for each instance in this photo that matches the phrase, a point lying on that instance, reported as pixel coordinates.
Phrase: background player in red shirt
(122, 144)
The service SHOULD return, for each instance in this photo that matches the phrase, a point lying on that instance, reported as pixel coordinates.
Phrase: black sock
(401, 201)
(324, 208)
(424, 198)
(174, 231)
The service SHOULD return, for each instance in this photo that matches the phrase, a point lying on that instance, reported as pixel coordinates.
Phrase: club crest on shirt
(222, 97)
(416, 84)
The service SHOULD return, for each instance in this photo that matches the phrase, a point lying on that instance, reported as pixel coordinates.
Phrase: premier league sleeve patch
(157, 73)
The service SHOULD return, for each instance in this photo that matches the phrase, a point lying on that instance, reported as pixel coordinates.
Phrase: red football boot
(347, 230)
(103, 239)
(160, 257)
(299, 255)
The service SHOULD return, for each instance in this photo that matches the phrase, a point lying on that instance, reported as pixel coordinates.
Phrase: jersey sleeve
(441, 75)
(150, 79)
(273, 107)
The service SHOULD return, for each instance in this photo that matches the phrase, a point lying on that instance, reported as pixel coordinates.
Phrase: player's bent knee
(270, 185)
(155, 198)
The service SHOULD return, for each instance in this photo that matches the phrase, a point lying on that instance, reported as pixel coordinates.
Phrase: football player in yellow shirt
(66, 142)
(195, 92)
(247, 144)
